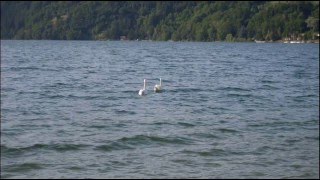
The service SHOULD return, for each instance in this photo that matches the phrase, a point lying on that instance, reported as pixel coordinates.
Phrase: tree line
(160, 20)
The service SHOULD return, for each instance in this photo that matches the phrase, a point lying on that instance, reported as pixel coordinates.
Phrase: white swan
(143, 91)
(157, 87)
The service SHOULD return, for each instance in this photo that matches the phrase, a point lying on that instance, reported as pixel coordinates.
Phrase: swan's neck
(144, 84)
(160, 82)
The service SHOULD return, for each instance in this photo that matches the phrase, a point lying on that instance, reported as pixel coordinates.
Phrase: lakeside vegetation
(163, 21)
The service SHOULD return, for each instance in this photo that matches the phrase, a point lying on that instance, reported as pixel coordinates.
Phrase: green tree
(185, 21)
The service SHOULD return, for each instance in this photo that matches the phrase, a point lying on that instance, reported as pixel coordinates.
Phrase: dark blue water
(71, 109)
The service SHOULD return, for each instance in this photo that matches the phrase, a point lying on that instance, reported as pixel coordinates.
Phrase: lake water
(71, 109)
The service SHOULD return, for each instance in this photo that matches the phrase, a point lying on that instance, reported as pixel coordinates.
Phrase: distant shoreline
(256, 41)
(205, 21)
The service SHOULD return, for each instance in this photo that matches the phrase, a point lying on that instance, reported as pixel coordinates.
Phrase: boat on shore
(257, 41)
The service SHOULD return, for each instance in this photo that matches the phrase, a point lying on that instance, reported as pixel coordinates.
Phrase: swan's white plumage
(157, 87)
(143, 91)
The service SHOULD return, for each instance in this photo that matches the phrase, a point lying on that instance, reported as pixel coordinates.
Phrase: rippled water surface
(71, 109)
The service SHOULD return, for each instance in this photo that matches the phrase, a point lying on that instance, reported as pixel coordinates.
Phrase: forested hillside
(178, 21)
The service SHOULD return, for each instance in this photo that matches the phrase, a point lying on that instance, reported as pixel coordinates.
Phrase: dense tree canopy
(157, 20)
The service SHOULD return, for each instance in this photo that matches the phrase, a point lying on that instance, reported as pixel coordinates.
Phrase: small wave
(113, 146)
(125, 112)
(296, 166)
(19, 150)
(67, 147)
(206, 135)
(225, 130)
(112, 98)
(24, 68)
(292, 141)
(250, 110)
(187, 90)
(23, 167)
(265, 149)
(162, 123)
(91, 71)
(244, 96)
(98, 126)
(186, 124)
(299, 99)
(269, 81)
(211, 152)
(183, 161)
(54, 96)
(262, 150)
(312, 138)
(301, 74)
(130, 91)
(50, 69)
(75, 168)
(281, 124)
(28, 92)
(4, 89)
(67, 68)
(57, 147)
(59, 84)
(105, 105)
(239, 95)
(218, 108)
(83, 97)
(307, 96)
(144, 139)
(268, 87)
(233, 89)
